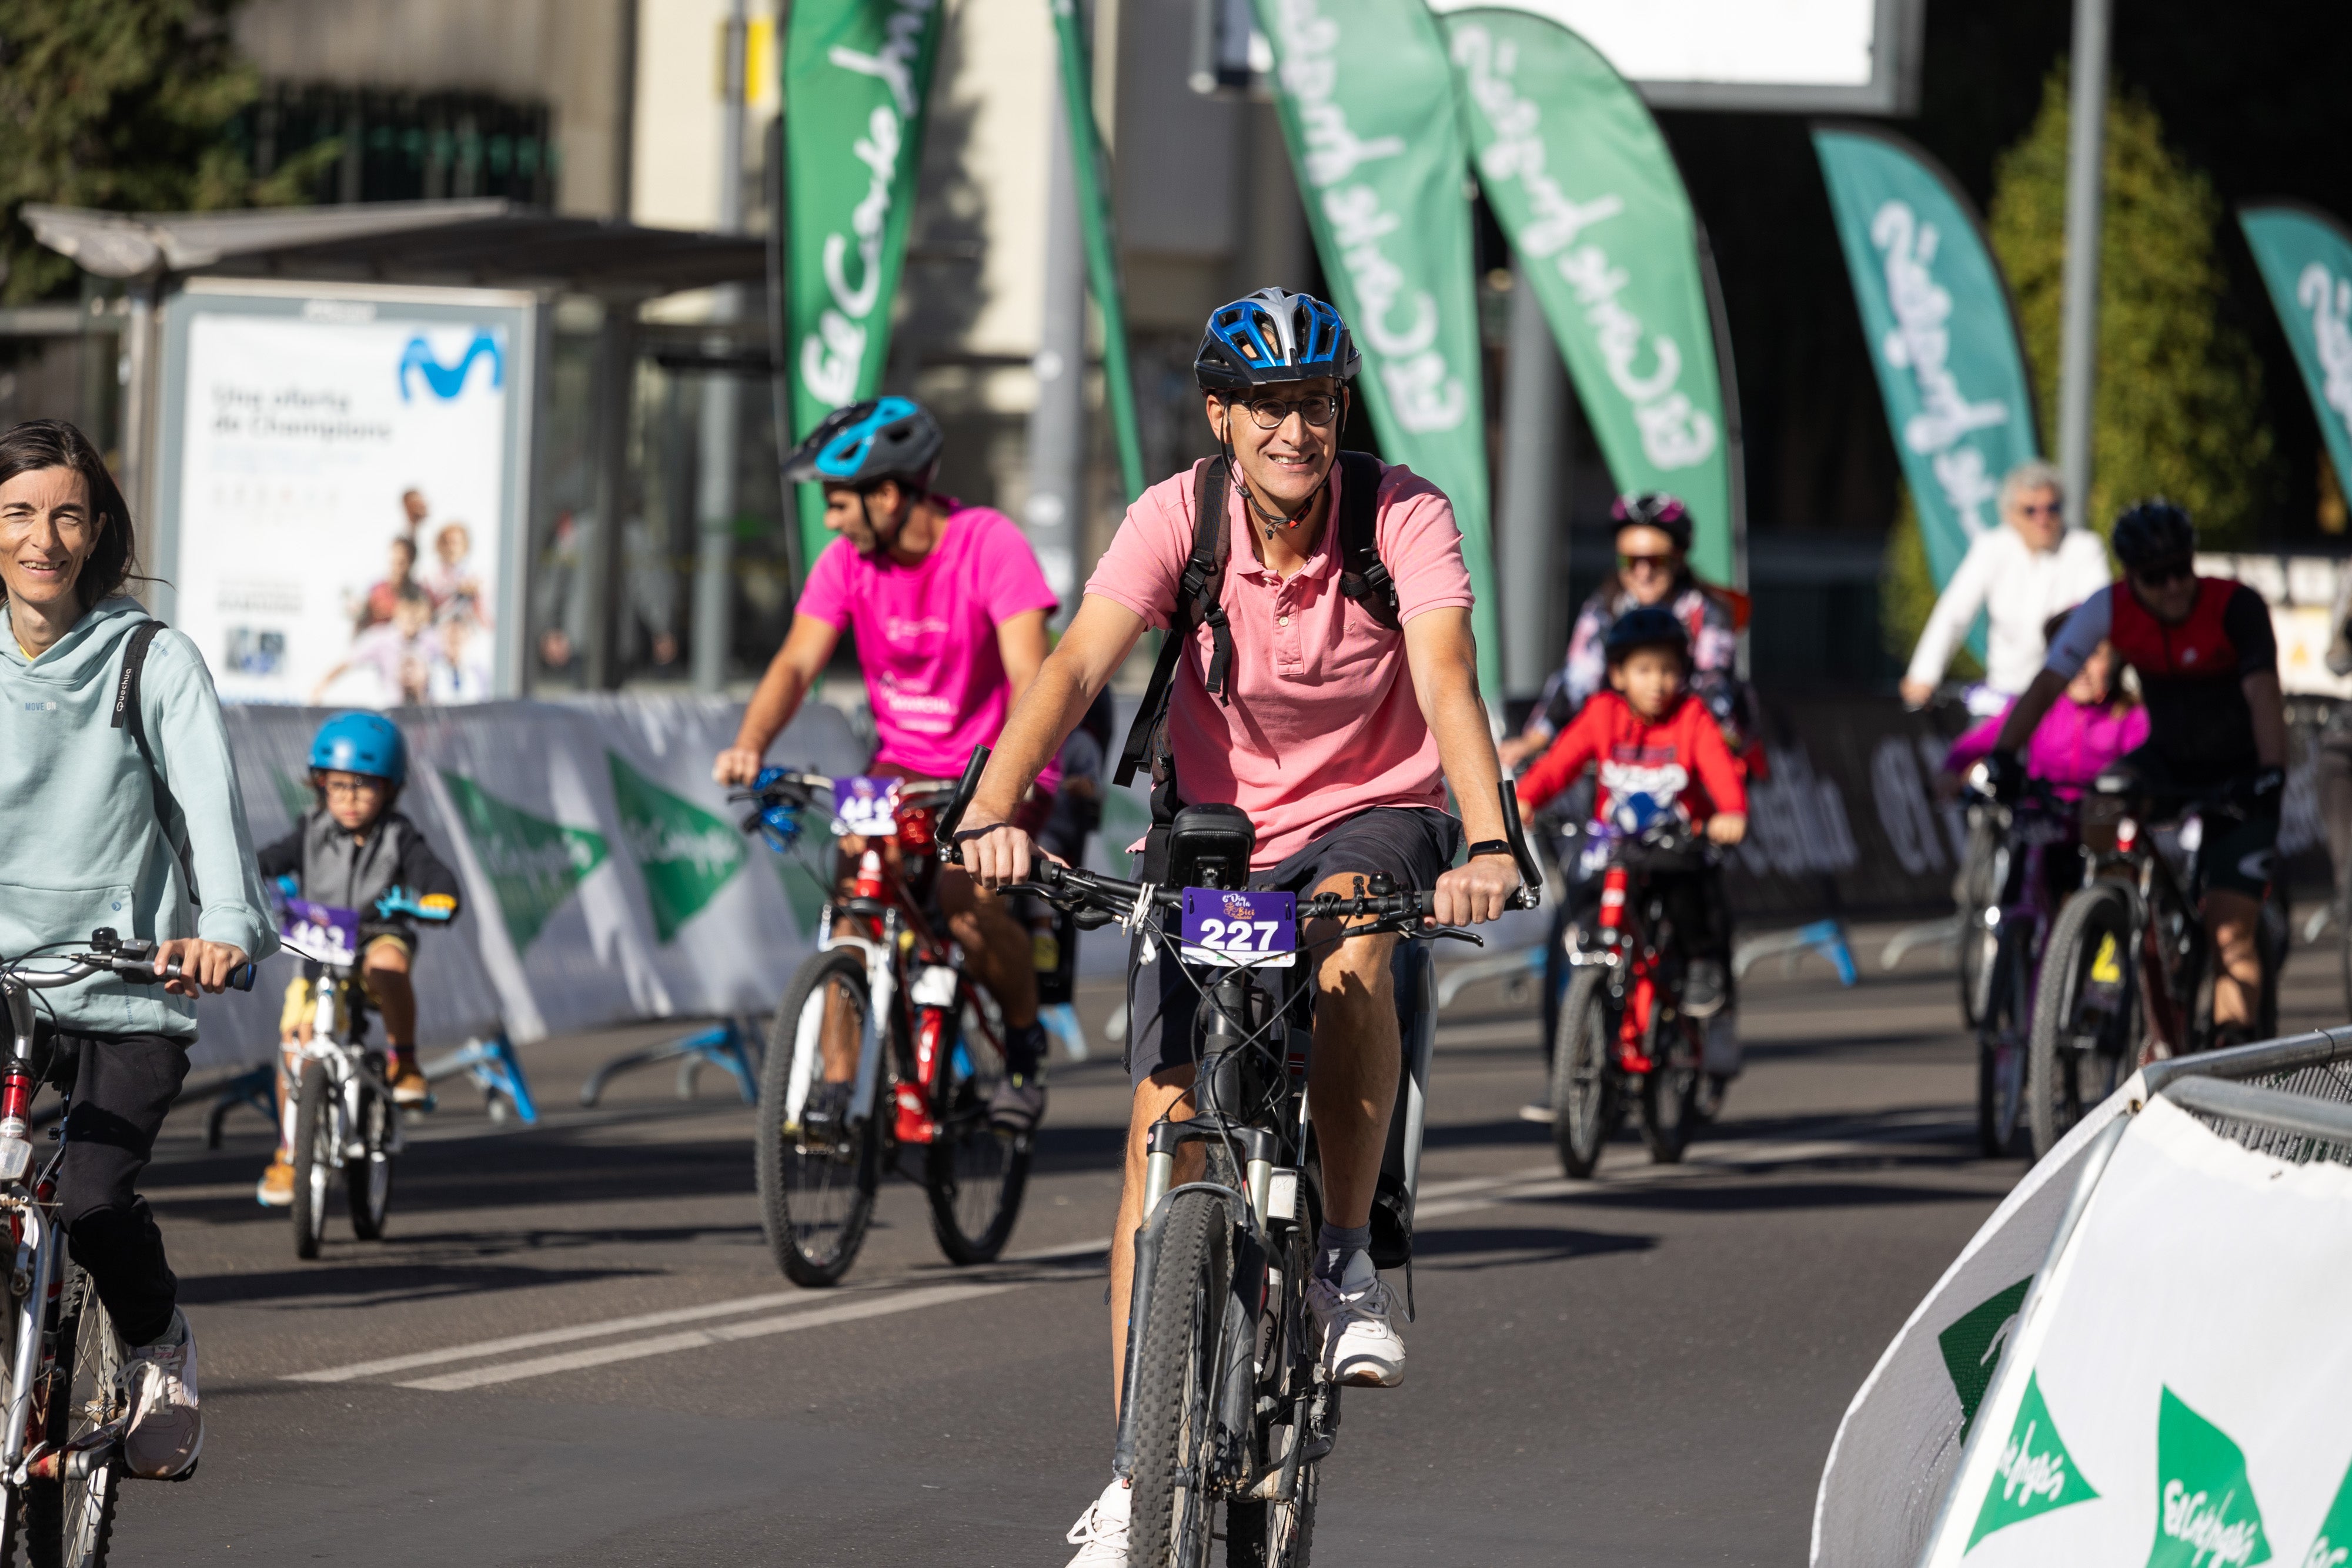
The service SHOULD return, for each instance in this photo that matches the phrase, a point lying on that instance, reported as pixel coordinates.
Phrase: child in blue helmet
(353, 850)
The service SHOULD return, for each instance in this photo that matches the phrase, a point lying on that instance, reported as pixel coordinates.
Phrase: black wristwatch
(1491, 847)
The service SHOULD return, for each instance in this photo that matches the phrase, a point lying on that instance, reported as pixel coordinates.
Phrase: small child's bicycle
(339, 1113)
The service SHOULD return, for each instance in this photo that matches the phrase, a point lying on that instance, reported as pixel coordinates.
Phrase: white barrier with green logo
(605, 877)
(2187, 1396)
(2168, 1389)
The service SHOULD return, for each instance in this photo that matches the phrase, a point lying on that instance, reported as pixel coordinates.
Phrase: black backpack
(127, 716)
(1199, 601)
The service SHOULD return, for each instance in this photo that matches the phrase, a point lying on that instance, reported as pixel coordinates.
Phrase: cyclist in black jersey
(2208, 664)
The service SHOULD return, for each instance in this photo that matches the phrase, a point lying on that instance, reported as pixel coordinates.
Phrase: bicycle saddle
(1209, 846)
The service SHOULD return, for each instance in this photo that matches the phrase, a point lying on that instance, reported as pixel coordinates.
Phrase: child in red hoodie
(1649, 737)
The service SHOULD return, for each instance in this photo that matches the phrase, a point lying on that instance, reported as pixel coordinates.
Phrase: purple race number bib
(865, 807)
(321, 931)
(1240, 929)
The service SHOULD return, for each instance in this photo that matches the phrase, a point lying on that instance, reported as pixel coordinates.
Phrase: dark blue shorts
(1415, 845)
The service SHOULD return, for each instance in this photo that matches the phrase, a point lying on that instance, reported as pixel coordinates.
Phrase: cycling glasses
(1658, 563)
(2163, 573)
(1317, 409)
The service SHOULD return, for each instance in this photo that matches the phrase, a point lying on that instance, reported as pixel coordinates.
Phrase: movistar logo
(448, 381)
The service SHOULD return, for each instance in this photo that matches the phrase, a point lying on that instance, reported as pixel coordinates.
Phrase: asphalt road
(573, 1350)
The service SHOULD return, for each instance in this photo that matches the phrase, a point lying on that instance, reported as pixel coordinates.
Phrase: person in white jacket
(2020, 574)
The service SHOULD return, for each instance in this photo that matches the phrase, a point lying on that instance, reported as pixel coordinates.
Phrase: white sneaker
(1359, 1345)
(166, 1429)
(1100, 1534)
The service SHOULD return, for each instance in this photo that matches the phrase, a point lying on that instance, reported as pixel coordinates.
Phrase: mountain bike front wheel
(974, 1173)
(2082, 1012)
(816, 1185)
(316, 1157)
(1583, 1073)
(2001, 1049)
(367, 1176)
(1174, 1396)
(68, 1522)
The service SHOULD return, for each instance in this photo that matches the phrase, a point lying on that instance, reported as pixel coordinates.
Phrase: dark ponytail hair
(54, 444)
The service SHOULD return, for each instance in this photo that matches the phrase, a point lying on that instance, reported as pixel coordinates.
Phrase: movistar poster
(339, 504)
(857, 78)
(1367, 106)
(2307, 262)
(1941, 334)
(1584, 185)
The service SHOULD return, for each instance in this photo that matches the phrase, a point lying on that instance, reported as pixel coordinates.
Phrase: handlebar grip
(241, 977)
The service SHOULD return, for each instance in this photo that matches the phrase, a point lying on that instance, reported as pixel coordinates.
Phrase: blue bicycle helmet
(365, 743)
(1271, 337)
(866, 442)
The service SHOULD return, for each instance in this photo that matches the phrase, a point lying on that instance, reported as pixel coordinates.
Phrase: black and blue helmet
(866, 442)
(1271, 337)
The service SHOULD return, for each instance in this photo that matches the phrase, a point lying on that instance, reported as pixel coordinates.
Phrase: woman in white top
(2019, 574)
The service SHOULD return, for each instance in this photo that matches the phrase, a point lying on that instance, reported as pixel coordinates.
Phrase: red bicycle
(881, 1046)
(1622, 1038)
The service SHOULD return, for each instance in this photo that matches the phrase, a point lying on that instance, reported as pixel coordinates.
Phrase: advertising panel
(340, 510)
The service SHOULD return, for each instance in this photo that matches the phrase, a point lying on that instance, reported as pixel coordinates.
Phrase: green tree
(2177, 411)
(122, 104)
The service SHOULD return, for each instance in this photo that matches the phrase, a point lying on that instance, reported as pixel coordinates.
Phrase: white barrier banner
(605, 877)
(2182, 1384)
(1900, 1440)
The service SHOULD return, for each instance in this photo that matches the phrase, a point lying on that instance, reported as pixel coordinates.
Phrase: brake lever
(1453, 933)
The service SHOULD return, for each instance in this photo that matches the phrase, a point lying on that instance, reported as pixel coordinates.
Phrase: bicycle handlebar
(138, 970)
(1529, 895)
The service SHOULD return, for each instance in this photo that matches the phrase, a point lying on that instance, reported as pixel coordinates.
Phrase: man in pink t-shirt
(948, 607)
(1334, 733)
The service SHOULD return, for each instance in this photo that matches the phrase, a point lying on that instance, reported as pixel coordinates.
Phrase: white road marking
(551, 1337)
(697, 1339)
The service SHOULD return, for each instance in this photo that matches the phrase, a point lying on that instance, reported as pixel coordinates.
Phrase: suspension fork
(882, 1002)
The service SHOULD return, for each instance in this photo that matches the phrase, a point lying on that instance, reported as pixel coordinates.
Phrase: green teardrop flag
(2306, 259)
(1581, 177)
(857, 87)
(1367, 106)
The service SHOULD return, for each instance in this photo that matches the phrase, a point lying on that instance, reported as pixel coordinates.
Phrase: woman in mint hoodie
(139, 828)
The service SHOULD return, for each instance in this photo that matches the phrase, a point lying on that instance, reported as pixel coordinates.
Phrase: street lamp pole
(2079, 330)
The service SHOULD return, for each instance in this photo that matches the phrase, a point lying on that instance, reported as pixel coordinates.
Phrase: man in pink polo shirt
(947, 605)
(1334, 732)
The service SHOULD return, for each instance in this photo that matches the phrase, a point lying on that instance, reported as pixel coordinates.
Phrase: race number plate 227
(1234, 928)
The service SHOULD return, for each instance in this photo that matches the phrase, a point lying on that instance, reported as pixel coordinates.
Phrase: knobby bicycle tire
(974, 1174)
(1262, 1533)
(815, 1204)
(315, 1157)
(2054, 1088)
(1583, 1075)
(1667, 1090)
(1174, 1396)
(367, 1180)
(70, 1523)
(2001, 1070)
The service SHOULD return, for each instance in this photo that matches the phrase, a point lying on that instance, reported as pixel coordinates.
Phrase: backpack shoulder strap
(127, 716)
(1200, 596)
(1363, 576)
